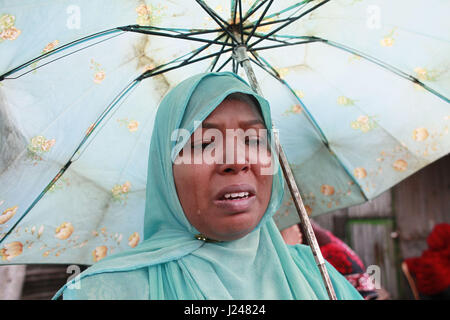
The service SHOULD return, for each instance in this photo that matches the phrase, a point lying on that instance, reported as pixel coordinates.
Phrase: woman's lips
(236, 205)
(236, 198)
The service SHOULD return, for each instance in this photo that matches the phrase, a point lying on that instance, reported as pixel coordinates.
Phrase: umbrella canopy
(358, 92)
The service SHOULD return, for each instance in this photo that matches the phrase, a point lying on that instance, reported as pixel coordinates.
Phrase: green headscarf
(171, 263)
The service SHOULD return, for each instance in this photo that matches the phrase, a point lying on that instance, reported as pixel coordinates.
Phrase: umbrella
(358, 92)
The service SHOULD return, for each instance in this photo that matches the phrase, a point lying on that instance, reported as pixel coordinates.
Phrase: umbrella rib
(217, 19)
(204, 31)
(96, 35)
(66, 46)
(189, 32)
(150, 73)
(258, 22)
(224, 64)
(383, 128)
(233, 10)
(61, 57)
(201, 49)
(213, 64)
(193, 53)
(178, 31)
(253, 9)
(52, 182)
(275, 74)
(291, 20)
(274, 14)
(285, 44)
(69, 162)
(139, 29)
(300, 5)
(358, 53)
(274, 39)
(385, 66)
(309, 117)
(211, 12)
(241, 33)
(114, 102)
(304, 2)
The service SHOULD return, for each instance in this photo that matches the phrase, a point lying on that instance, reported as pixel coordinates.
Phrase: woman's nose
(234, 168)
(234, 156)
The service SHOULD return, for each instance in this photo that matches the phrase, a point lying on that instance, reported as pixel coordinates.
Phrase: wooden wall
(421, 202)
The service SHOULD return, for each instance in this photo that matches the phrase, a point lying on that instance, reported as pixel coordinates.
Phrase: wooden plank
(43, 281)
(334, 222)
(381, 206)
(421, 202)
(11, 280)
(371, 240)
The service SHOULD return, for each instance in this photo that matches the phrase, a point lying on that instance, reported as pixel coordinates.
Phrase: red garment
(432, 269)
(439, 238)
(346, 261)
(336, 252)
(341, 258)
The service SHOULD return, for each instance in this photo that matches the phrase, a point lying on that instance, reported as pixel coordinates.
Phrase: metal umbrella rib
(146, 30)
(290, 20)
(334, 44)
(64, 47)
(253, 9)
(222, 23)
(257, 23)
(216, 59)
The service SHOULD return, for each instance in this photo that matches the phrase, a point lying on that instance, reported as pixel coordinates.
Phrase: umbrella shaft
(240, 55)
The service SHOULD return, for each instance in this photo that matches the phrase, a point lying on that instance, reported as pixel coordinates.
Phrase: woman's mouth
(236, 198)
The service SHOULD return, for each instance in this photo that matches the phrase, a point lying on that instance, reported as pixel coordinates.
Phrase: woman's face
(223, 199)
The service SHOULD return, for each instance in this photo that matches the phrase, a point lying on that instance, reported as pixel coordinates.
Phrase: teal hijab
(171, 263)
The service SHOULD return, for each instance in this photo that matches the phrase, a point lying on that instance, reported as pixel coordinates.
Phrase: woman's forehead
(234, 112)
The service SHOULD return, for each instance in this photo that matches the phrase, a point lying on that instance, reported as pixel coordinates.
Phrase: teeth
(236, 195)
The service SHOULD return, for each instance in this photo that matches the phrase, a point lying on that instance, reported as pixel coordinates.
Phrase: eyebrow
(247, 123)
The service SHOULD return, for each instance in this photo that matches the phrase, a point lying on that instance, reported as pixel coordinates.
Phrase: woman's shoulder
(304, 259)
(302, 254)
(113, 285)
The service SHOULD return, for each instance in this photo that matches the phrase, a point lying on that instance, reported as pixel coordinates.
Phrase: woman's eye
(202, 145)
(253, 140)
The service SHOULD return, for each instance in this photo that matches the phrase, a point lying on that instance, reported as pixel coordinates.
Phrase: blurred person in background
(339, 255)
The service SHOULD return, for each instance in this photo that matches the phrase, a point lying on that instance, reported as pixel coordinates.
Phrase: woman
(209, 232)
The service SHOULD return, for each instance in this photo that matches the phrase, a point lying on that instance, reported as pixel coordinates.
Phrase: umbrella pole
(240, 55)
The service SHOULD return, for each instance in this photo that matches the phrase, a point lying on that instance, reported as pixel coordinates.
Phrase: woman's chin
(235, 227)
